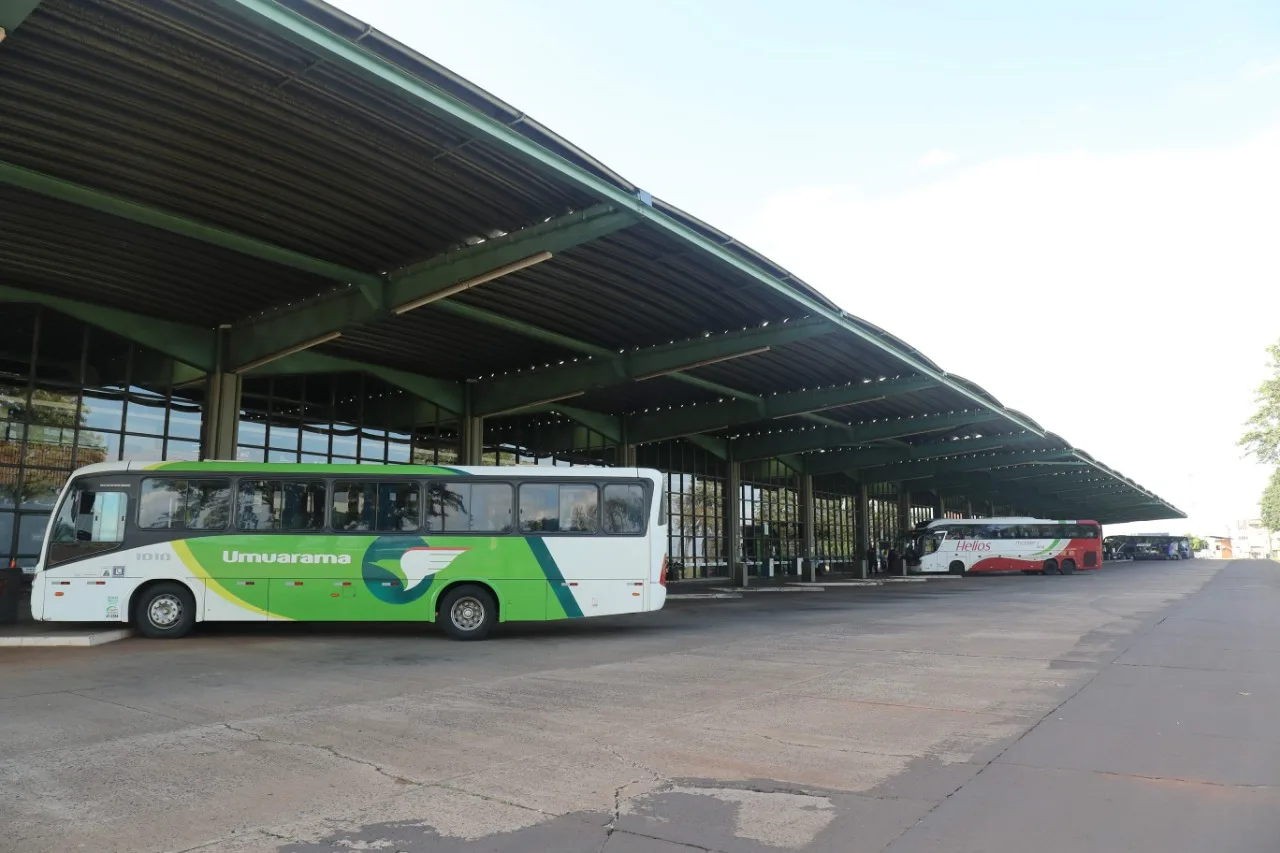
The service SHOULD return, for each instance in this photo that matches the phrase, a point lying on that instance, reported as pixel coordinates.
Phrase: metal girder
(13, 13)
(511, 393)
(197, 347)
(847, 460)
(314, 320)
(712, 416)
(383, 74)
(188, 344)
(903, 427)
(925, 469)
(175, 224)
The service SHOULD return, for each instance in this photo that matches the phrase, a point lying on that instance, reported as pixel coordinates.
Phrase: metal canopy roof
(279, 168)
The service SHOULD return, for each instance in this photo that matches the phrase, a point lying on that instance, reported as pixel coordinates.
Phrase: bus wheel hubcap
(467, 614)
(164, 611)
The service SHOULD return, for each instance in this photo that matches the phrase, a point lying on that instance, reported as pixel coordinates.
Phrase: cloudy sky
(1078, 209)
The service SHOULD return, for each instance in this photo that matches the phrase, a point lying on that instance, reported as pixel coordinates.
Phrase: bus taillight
(662, 576)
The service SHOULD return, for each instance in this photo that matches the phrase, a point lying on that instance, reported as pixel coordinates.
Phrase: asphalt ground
(1128, 709)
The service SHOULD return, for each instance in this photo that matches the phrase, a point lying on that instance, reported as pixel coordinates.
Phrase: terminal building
(262, 230)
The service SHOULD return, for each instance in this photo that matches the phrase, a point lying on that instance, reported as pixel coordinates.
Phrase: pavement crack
(491, 799)
(377, 768)
(831, 748)
(636, 765)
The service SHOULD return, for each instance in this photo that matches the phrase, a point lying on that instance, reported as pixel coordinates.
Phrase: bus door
(87, 573)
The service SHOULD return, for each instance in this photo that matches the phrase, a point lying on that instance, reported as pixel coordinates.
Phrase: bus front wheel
(165, 611)
(956, 567)
(468, 612)
(1050, 567)
(1068, 567)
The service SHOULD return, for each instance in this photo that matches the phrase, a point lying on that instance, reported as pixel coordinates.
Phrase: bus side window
(276, 505)
(623, 508)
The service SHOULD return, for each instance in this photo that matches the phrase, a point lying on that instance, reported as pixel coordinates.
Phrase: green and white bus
(165, 545)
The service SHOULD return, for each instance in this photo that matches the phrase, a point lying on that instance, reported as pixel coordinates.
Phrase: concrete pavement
(1126, 709)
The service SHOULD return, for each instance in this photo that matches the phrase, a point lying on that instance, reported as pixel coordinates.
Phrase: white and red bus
(1029, 545)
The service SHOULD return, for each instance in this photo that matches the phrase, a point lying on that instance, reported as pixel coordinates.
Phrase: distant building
(1249, 538)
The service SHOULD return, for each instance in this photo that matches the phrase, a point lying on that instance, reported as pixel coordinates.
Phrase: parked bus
(1029, 545)
(165, 545)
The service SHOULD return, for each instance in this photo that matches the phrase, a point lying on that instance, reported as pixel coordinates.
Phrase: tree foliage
(1262, 436)
(1271, 503)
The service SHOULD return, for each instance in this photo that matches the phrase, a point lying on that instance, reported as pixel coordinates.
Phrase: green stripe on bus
(563, 593)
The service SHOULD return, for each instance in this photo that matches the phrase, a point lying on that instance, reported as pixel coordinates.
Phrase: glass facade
(72, 395)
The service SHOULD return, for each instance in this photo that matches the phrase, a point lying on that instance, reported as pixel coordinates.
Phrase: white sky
(1121, 301)
(1076, 206)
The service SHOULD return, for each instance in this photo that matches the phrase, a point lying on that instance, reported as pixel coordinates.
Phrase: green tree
(1262, 436)
(1271, 503)
(1197, 544)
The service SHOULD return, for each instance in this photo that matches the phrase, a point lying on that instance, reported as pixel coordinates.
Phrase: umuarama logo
(310, 559)
(398, 570)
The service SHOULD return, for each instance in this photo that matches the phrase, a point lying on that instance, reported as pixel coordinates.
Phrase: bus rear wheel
(956, 567)
(1050, 567)
(1068, 567)
(165, 611)
(468, 612)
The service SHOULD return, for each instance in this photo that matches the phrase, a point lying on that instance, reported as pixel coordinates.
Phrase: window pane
(160, 505)
(6, 532)
(450, 506)
(145, 417)
(315, 439)
(491, 507)
(208, 504)
(289, 456)
(580, 509)
(284, 436)
(258, 505)
(102, 413)
(398, 507)
(251, 454)
(97, 447)
(40, 488)
(539, 507)
(89, 521)
(623, 509)
(252, 433)
(304, 506)
(184, 424)
(31, 527)
(353, 505)
(182, 451)
(139, 448)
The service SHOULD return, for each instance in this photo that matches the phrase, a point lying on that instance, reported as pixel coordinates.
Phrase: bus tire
(956, 567)
(1051, 568)
(1068, 567)
(165, 611)
(468, 612)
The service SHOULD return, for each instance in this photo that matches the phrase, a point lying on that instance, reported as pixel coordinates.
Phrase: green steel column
(809, 557)
(939, 505)
(733, 523)
(627, 456)
(862, 529)
(968, 508)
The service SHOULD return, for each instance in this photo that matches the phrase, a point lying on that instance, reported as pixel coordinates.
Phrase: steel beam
(313, 320)
(849, 460)
(710, 417)
(173, 223)
(926, 469)
(511, 393)
(188, 344)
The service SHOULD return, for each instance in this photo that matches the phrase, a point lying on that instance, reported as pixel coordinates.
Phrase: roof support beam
(197, 347)
(324, 317)
(850, 460)
(106, 203)
(511, 393)
(710, 417)
(926, 469)
(188, 344)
